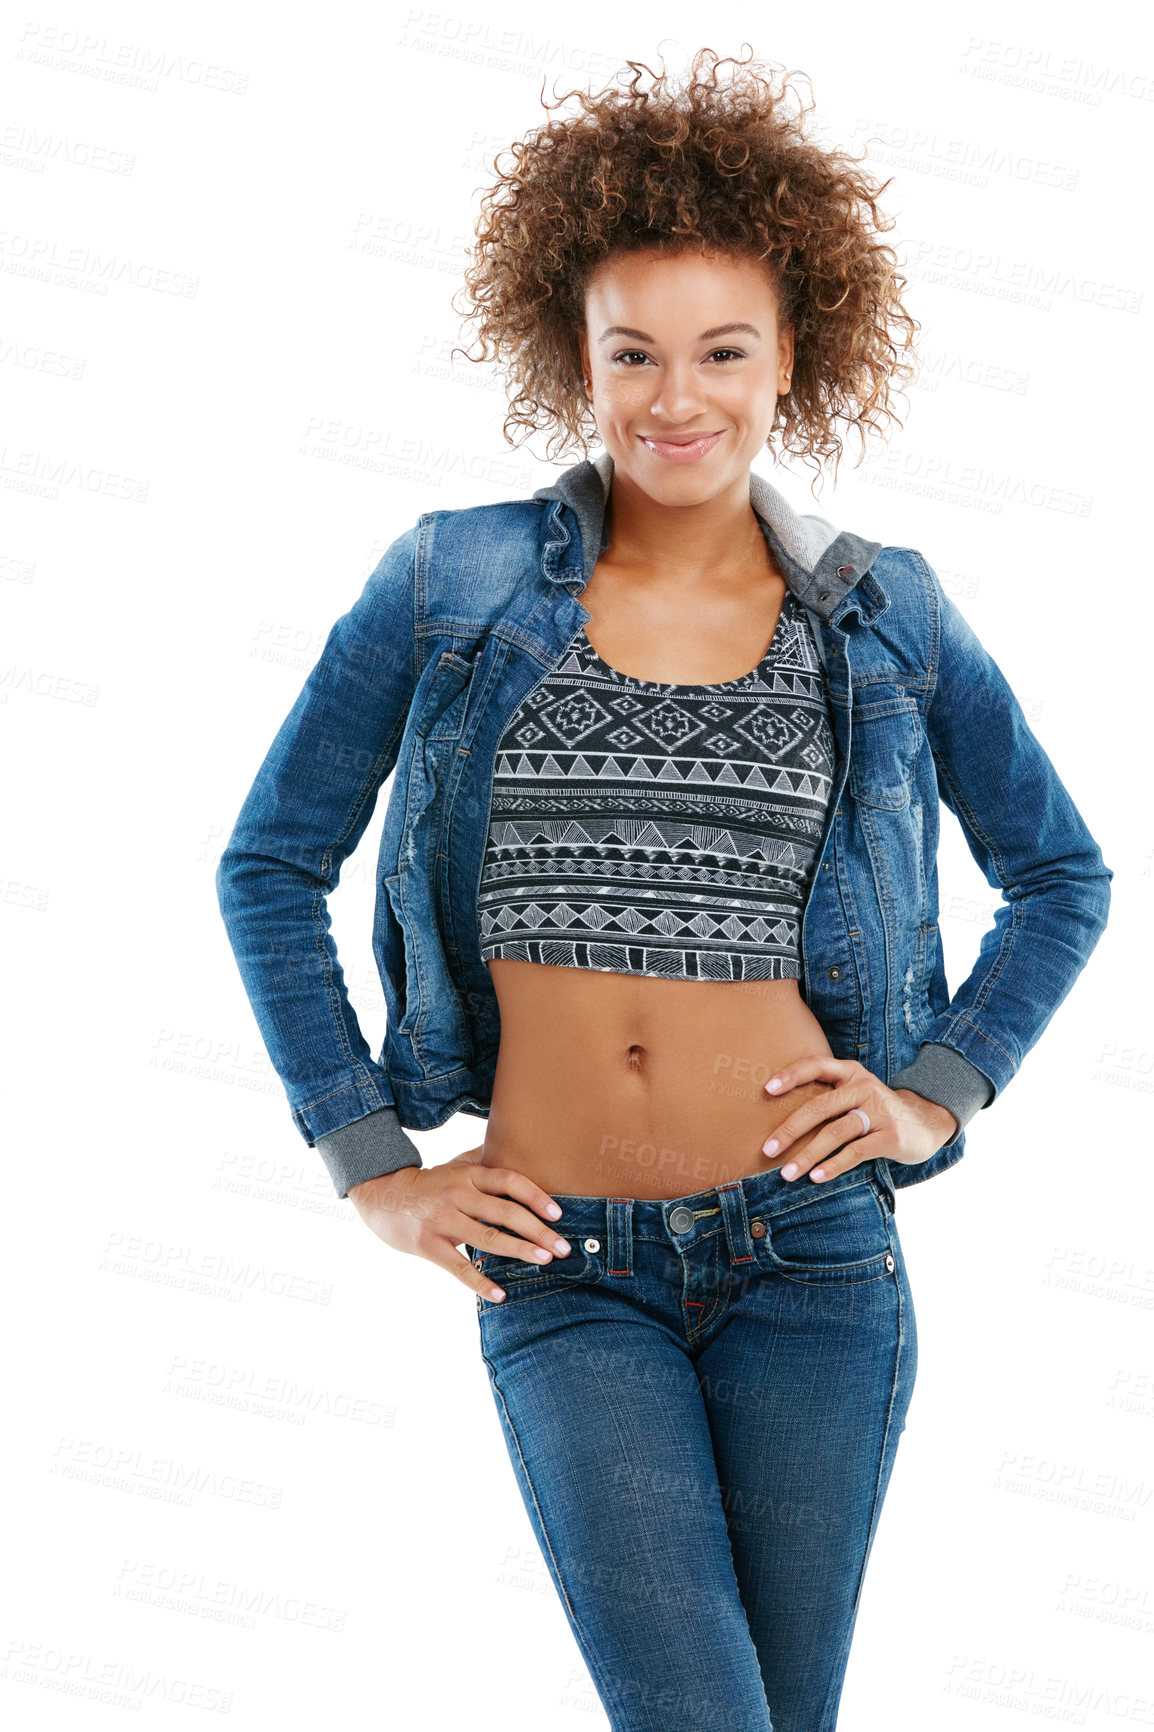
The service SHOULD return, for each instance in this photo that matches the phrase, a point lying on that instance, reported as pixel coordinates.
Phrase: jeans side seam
(589, 1652)
(875, 1508)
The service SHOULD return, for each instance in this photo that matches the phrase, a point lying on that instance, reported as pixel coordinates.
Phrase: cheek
(620, 394)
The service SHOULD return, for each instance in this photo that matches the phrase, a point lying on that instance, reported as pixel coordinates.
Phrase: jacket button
(824, 596)
(834, 973)
(757, 1228)
(825, 866)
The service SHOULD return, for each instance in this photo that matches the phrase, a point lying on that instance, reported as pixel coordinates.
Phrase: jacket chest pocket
(436, 722)
(443, 711)
(439, 724)
(885, 740)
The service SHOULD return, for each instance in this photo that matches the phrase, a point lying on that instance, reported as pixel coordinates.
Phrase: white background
(253, 1465)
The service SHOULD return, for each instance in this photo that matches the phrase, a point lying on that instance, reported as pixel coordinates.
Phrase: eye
(623, 356)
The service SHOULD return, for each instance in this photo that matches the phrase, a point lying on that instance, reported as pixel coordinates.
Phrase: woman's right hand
(429, 1211)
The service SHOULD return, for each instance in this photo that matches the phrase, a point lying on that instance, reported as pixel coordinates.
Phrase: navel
(635, 1057)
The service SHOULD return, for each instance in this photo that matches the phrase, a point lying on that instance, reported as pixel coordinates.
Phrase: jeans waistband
(734, 1207)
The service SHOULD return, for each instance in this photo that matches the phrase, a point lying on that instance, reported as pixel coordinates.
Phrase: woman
(658, 897)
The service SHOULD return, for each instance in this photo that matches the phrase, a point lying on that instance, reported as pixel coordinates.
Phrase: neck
(721, 533)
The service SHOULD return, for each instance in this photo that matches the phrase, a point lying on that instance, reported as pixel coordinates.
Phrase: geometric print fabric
(647, 828)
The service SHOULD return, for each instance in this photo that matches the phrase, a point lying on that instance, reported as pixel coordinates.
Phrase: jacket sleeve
(1029, 839)
(304, 814)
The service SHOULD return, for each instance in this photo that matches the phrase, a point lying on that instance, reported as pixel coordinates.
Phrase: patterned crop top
(645, 828)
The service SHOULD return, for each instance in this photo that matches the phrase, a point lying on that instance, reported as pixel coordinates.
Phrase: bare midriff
(613, 1085)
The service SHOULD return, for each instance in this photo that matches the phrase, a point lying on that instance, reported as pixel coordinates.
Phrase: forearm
(370, 1148)
(1028, 837)
(940, 1076)
(945, 1126)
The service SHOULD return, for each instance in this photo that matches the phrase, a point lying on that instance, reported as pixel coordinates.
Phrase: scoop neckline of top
(681, 686)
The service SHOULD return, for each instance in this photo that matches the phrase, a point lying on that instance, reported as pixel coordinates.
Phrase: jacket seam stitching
(965, 807)
(370, 784)
(963, 1021)
(344, 1089)
(935, 634)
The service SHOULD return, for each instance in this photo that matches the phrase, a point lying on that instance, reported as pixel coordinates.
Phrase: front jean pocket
(520, 1280)
(839, 1237)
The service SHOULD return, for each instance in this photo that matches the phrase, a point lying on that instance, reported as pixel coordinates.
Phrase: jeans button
(681, 1220)
(890, 1262)
(592, 1244)
(757, 1228)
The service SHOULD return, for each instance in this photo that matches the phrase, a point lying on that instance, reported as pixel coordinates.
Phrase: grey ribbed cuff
(367, 1149)
(939, 1073)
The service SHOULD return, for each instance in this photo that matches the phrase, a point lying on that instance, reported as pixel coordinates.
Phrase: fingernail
(553, 1211)
(541, 1254)
(817, 1173)
(562, 1246)
(773, 1083)
(788, 1170)
(496, 1293)
(770, 1148)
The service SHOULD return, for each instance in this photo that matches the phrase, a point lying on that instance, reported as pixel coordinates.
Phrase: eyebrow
(705, 337)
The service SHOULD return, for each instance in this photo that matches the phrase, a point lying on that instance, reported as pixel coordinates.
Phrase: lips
(685, 448)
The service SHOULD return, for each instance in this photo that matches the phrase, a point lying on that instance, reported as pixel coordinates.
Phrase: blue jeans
(702, 1405)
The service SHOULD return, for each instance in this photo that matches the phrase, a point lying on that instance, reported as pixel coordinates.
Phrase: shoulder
(472, 560)
(505, 528)
(921, 597)
(899, 631)
(904, 572)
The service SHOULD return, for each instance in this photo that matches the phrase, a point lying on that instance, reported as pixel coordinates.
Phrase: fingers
(511, 1183)
(502, 1198)
(827, 1121)
(463, 1269)
(819, 1066)
(505, 1198)
(849, 1150)
(825, 1104)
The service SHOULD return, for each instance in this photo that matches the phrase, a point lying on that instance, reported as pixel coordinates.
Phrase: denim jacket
(464, 614)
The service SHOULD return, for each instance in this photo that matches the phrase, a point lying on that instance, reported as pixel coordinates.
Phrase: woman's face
(678, 346)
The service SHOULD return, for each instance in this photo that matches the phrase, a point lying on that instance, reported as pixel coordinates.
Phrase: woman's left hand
(904, 1126)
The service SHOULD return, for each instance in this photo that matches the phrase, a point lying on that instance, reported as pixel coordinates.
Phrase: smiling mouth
(682, 447)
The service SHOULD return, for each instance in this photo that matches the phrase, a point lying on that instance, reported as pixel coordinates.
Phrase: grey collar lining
(821, 563)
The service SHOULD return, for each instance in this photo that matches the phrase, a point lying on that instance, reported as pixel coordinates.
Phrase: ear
(785, 356)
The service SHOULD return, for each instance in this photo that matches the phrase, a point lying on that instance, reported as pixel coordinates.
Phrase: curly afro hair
(723, 166)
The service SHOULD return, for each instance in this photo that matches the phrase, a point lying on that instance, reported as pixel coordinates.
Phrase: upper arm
(315, 791)
(1018, 817)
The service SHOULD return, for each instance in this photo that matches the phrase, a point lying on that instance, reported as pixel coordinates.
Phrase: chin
(688, 484)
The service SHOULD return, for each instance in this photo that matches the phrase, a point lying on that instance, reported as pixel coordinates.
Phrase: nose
(678, 396)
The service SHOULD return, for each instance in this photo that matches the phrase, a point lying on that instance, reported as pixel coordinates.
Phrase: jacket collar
(820, 563)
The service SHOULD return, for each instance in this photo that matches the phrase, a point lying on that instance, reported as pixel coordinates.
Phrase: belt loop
(731, 1196)
(884, 1183)
(619, 1232)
